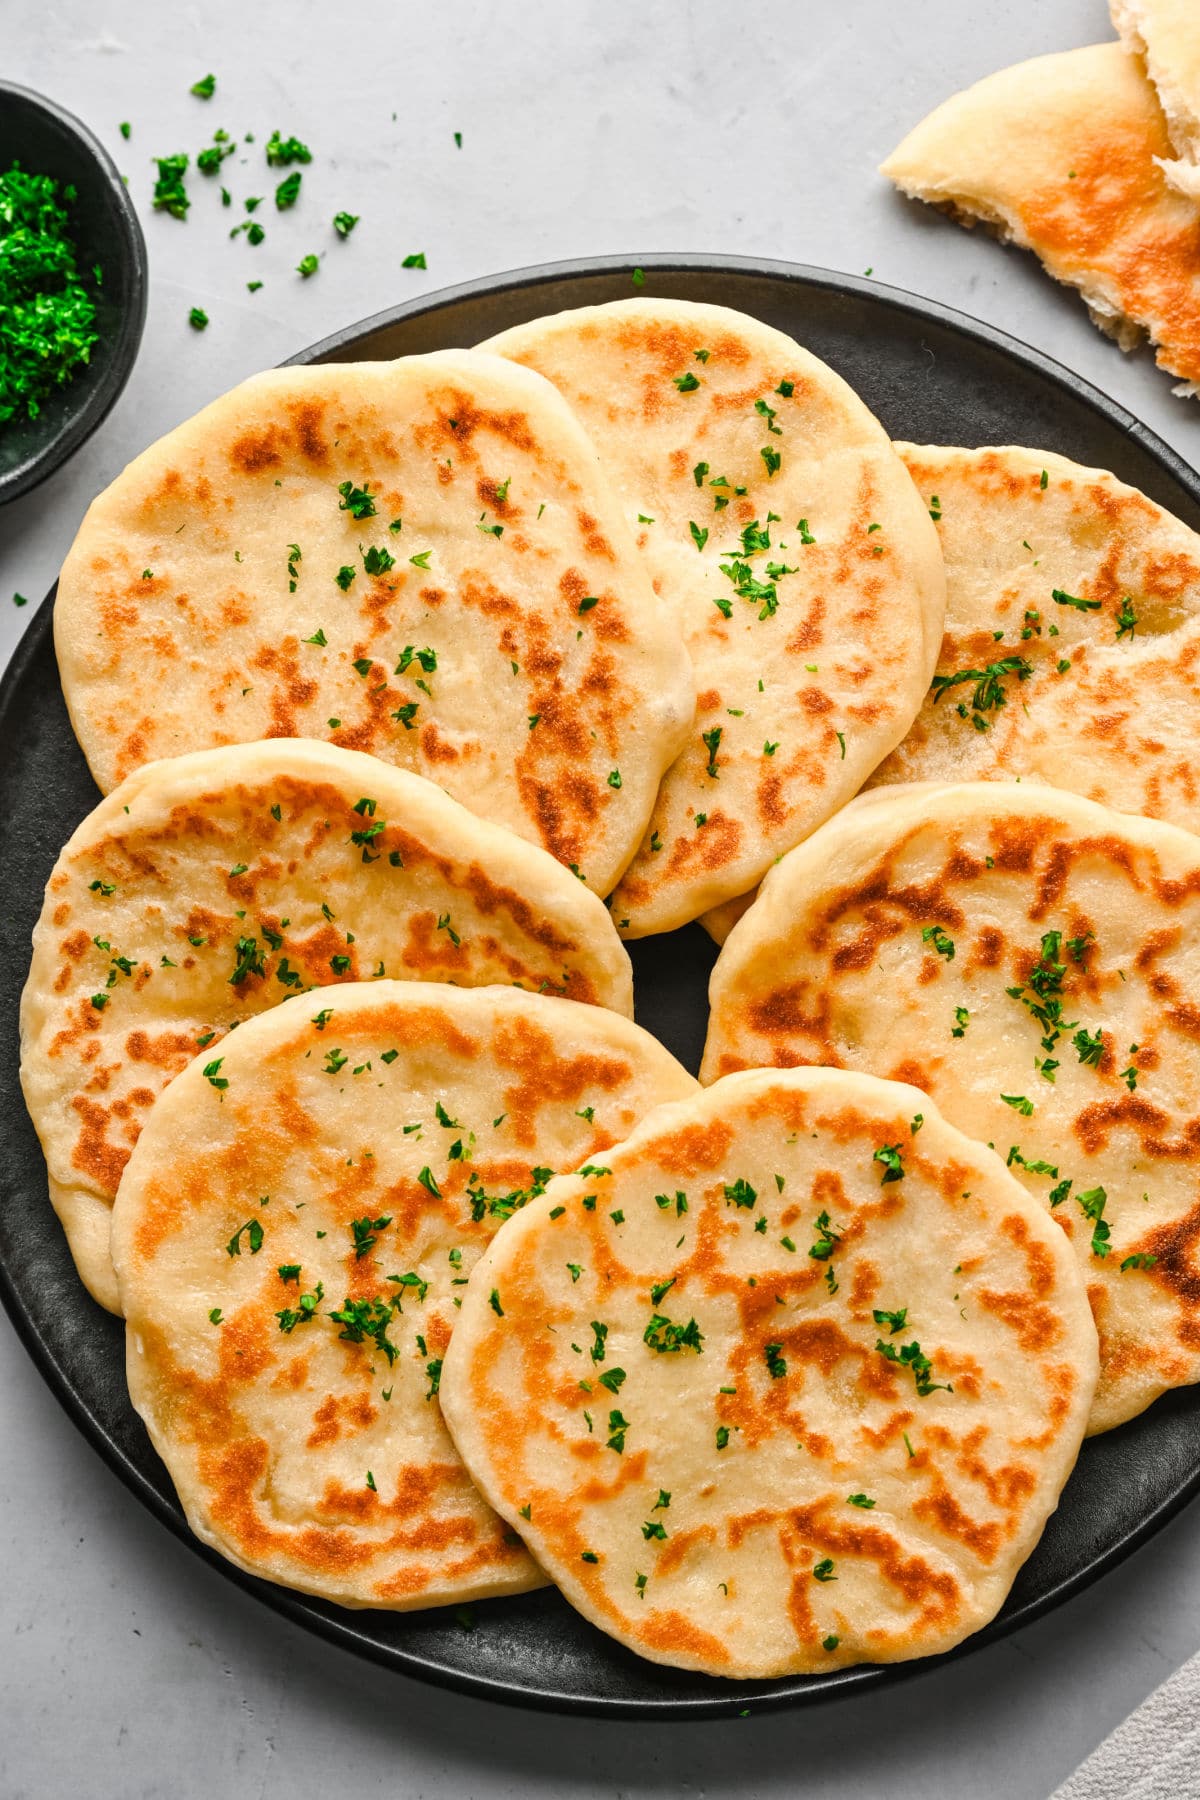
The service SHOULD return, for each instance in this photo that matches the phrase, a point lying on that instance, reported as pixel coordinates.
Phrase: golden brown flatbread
(419, 559)
(1031, 960)
(789, 550)
(209, 887)
(790, 1381)
(1072, 634)
(292, 1236)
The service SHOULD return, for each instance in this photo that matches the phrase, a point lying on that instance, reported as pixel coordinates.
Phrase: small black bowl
(46, 140)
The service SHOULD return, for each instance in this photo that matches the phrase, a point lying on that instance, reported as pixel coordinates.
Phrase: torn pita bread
(1166, 33)
(1063, 156)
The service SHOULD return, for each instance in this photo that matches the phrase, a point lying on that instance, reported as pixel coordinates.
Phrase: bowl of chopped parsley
(72, 287)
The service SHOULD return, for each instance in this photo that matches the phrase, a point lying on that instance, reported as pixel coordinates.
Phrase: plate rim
(727, 1699)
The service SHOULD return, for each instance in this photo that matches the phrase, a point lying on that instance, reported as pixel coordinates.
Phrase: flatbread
(1167, 34)
(183, 905)
(1062, 155)
(770, 1474)
(721, 920)
(1031, 960)
(1072, 634)
(291, 1248)
(720, 436)
(1094, 690)
(507, 644)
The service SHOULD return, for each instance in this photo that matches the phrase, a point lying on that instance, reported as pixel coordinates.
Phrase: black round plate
(931, 375)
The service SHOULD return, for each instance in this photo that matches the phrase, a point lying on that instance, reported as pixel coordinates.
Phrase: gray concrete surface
(128, 1669)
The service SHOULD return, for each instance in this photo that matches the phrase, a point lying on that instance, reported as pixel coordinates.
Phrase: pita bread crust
(1166, 33)
(1063, 156)
(185, 618)
(832, 965)
(828, 680)
(717, 1532)
(184, 867)
(1116, 723)
(301, 1450)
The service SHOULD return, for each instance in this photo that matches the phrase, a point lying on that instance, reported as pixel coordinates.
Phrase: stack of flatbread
(1091, 159)
(412, 689)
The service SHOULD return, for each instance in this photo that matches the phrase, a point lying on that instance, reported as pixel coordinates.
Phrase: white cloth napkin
(1154, 1755)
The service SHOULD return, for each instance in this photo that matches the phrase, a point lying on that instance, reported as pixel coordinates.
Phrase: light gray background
(127, 1668)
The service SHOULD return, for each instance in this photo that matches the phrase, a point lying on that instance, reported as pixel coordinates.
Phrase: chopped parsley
(281, 151)
(304, 1311)
(893, 1163)
(911, 1356)
(1062, 599)
(378, 559)
(1092, 1204)
(663, 1335)
(253, 1233)
(365, 1232)
(46, 304)
(827, 1238)
(618, 1425)
(365, 1321)
(941, 941)
(988, 693)
(170, 193)
(358, 501)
